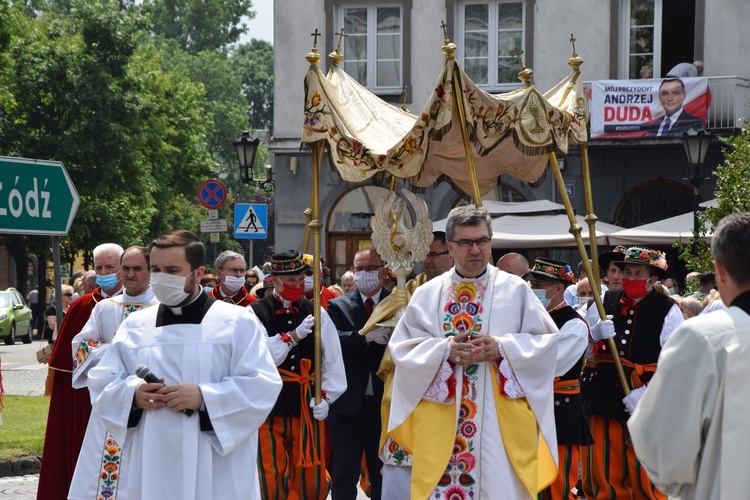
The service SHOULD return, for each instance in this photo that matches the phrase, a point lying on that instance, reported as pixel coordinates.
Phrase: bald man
(513, 263)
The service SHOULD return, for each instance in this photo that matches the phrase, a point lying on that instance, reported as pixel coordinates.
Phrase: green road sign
(36, 197)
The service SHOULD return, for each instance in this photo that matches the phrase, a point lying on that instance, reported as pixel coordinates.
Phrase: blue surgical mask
(541, 294)
(108, 281)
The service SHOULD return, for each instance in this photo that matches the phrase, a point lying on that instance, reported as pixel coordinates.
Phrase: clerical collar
(192, 313)
(179, 311)
(146, 296)
(742, 301)
(466, 278)
(118, 292)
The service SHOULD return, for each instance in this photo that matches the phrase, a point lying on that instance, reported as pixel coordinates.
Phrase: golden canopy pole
(575, 230)
(575, 62)
(314, 225)
(448, 49)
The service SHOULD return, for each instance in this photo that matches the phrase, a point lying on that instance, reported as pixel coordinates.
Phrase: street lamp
(246, 151)
(696, 143)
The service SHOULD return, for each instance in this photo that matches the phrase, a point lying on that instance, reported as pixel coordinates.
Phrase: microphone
(143, 372)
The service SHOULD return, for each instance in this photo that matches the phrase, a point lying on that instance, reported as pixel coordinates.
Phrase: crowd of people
(475, 381)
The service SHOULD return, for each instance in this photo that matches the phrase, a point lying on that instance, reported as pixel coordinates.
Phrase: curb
(21, 466)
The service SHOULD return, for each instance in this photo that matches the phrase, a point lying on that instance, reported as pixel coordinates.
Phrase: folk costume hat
(645, 257)
(288, 263)
(550, 270)
(617, 254)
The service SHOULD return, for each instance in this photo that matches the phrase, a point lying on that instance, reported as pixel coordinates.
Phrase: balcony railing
(730, 101)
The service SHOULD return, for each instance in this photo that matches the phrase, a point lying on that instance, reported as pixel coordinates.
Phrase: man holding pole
(291, 457)
(642, 320)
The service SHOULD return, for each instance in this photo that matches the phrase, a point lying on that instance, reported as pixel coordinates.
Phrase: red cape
(69, 408)
(326, 294)
(242, 299)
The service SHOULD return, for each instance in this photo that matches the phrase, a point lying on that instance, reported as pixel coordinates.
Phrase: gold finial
(313, 57)
(336, 56)
(525, 74)
(448, 47)
(403, 106)
(575, 60)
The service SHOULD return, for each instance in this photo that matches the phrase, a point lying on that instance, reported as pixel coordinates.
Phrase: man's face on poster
(671, 96)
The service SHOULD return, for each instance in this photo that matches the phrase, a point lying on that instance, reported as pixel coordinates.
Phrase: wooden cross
(517, 53)
(445, 30)
(341, 36)
(573, 41)
(315, 35)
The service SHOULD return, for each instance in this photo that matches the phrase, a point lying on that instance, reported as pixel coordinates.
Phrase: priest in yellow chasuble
(475, 355)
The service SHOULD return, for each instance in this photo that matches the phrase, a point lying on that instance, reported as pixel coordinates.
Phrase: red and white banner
(639, 108)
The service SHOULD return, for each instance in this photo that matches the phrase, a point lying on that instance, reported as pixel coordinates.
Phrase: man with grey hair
(693, 443)
(478, 340)
(88, 282)
(69, 409)
(230, 271)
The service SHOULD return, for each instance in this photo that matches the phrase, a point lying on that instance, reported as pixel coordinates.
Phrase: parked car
(15, 317)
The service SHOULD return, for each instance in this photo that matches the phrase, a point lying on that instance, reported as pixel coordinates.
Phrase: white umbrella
(661, 232)
(543, 231)
(498, 208)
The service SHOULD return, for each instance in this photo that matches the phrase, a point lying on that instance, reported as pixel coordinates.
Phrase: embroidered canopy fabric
(510, 133)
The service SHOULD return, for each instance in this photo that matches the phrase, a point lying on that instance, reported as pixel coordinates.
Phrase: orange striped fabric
(278, 456)
(610, 468)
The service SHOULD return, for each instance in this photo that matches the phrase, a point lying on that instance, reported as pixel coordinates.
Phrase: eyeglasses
(234, 270)
(369, 269)
(467, 244)
(432, 255)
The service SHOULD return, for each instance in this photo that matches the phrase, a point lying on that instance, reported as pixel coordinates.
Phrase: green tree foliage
(732, 195)
(254, 61)
(199, 25)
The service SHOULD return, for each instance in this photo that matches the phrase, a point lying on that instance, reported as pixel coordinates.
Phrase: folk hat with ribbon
(645, 257)
(618, 253)
(288, 263)
(550, 270)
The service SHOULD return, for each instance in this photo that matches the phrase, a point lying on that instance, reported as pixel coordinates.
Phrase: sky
(262, 26)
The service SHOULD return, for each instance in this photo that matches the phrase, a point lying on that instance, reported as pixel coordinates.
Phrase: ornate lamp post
(246, 149)
(696, 143)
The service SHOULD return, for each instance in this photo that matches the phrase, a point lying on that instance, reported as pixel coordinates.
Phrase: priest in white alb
(475, 355)
(88, 347)
(193, 435)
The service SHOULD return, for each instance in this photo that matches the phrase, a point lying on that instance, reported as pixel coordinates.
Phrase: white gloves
(305, 327)
(631, 400)
(320, 412)
(380, 335)
(603, 329)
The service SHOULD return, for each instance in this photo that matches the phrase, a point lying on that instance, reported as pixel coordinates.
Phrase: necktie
(369, 306)
(665, 126)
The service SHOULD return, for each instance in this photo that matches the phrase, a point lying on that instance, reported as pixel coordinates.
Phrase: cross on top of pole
(341, 36)
(517, 53)
(315, 36)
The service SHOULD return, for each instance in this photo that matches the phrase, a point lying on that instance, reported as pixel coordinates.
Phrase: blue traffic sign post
(37, 197)
(251, 221)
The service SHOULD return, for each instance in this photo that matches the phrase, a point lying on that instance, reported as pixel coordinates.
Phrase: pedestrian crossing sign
(251, 220)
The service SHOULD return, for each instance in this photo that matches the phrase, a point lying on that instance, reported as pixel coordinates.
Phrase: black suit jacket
(361, 358)
(684, 122)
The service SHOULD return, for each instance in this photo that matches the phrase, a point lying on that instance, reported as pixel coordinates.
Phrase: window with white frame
(373, 49)
(641, 37)
(488, 33)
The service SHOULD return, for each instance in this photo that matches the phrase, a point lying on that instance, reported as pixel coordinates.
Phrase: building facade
(393, 48)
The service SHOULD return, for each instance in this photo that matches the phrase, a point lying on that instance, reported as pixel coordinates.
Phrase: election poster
(648, 108)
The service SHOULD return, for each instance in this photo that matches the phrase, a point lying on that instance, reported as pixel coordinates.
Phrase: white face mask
(309, 284)
(234, 283)
(367, 281)
(169, 289)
